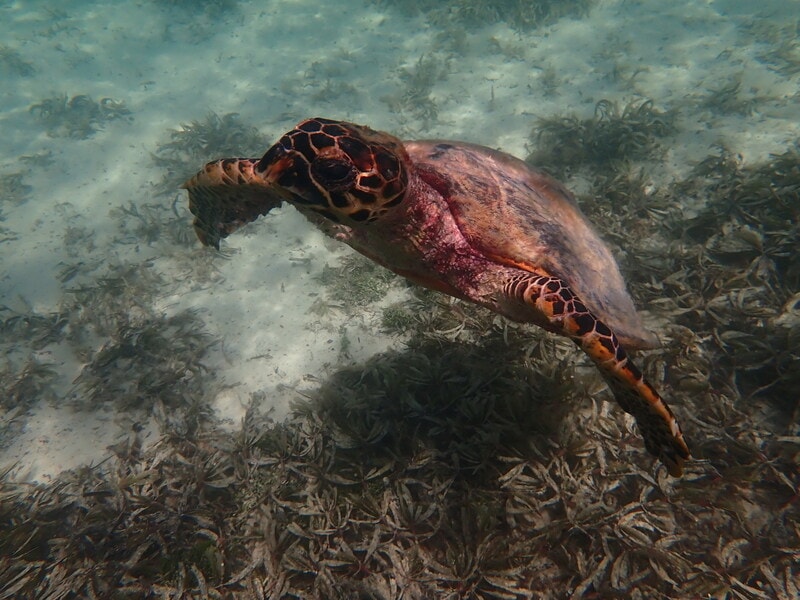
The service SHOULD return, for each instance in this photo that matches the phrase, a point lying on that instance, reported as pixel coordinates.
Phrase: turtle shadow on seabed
(519, 393)
(458, 402)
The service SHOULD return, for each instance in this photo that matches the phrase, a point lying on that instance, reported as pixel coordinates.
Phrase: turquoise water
(284, 419)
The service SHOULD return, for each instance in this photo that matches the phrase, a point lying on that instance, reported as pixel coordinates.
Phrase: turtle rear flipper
(227, 194)
(559, 310)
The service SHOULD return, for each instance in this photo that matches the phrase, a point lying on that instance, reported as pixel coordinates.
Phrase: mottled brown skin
(462, 219)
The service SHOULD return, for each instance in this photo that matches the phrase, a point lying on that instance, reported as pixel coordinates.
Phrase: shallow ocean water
(347, 434)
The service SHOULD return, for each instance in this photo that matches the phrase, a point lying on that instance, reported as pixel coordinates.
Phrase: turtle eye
(334, 174)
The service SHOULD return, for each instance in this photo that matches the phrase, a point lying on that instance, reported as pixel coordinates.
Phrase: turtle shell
(522, 217)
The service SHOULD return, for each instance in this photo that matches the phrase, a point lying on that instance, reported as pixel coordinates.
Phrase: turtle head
(345, 172)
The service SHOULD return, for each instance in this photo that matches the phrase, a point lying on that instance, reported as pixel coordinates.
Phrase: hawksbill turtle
(462, 219)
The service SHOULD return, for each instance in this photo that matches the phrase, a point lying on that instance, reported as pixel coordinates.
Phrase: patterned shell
(522, 217)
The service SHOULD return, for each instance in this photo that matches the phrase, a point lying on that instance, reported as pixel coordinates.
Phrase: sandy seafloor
(270, 62)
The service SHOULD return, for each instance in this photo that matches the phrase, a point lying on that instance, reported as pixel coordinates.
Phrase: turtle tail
(561, 311)
(227, 194)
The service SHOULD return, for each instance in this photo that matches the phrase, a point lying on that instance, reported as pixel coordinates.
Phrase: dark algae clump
(13, 189)
(522, 15)
(194, 142)
(150, 360)
(631, 131)
(356, 282)
(14, 64)
(79, 116)
(748, 235)
(414, 98)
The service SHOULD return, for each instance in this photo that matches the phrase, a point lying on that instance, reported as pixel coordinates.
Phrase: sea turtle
(459, 218)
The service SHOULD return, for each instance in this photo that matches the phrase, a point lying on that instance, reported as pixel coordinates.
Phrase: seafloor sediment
(285, 419)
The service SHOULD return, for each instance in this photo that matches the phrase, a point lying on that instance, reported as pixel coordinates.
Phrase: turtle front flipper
(228, 194)
(559, 310)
